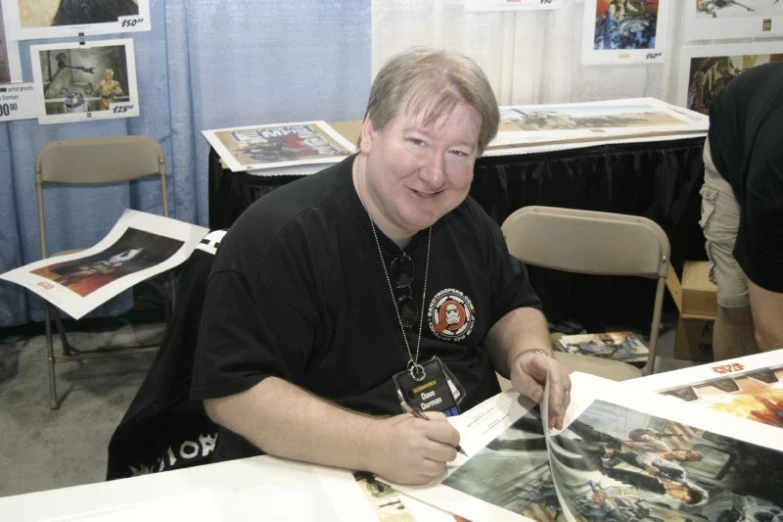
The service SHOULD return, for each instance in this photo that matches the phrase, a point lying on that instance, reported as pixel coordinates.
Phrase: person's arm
(513, 344)
(287, 421)
(766, 307)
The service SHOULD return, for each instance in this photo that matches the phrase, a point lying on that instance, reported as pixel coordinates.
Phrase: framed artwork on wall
(705, 70)
(30, 19)
(723, 19)
(94, 81)
(625, 31)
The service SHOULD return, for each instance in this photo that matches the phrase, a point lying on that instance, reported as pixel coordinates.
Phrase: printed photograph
(77, 83)
(756, 395)
(512, 472)
(707, 70)
(268, 146)
(57, 18)
(620, 346)
(134, 251)
(616, 463)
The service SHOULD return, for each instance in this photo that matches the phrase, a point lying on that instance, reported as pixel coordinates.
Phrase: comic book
(625, 453)
(619, 346)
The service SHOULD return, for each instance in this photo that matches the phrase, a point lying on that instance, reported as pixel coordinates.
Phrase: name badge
(437, 391)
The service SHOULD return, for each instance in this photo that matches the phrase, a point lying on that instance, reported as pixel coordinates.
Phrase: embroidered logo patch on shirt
(451, 315)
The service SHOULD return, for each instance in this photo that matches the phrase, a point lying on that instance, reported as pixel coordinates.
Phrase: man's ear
(367, 135)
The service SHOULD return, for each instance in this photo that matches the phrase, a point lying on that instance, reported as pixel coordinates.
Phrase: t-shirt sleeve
(509, 279)
(248, 332)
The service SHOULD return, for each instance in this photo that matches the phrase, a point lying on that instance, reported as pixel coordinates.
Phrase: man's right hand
(409, 450)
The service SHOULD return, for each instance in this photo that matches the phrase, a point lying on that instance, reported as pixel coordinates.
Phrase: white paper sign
(17, 102)
(512, 5)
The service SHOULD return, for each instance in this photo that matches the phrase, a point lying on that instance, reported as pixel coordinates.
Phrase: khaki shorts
(720, 216)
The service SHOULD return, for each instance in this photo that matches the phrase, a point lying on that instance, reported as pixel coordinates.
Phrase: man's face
(417, 173)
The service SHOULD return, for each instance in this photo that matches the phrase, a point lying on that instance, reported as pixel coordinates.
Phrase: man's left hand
(529, 372)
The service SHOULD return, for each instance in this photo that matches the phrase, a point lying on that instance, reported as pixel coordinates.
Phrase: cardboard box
(699, 294)
(693, 341)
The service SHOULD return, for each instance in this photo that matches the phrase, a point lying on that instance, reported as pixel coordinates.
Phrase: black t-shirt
(297, 291)
(746, 142)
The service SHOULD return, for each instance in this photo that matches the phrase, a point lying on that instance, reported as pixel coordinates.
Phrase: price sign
(17, 102)
(123, 108)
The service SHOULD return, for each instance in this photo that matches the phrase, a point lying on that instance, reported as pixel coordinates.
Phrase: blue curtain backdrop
(205, 64)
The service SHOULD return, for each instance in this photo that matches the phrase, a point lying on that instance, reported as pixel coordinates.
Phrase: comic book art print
(616, 463)
(730, 19)
(279, 145)
(35, 19)
(624, 31)
(95, 81)
(706, 70)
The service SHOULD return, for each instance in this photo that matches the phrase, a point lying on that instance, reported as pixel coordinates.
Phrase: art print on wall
(10, 65)
(706, 70)
(726, 19)
(30, 19)
(624, 31)
(94, 81)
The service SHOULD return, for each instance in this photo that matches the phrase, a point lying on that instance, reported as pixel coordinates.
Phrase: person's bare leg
(733, 333)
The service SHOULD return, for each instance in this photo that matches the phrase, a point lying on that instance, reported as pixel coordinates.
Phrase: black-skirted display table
(659, 180)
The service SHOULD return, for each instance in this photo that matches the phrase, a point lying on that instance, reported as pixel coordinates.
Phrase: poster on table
(512, 5)
(10, 64)
(95, 81)
(622, 454)
(723, 19)
(257, 147)
(139, 246)
(591, 122)
(625, 31)
(31, 19)
(705, 70)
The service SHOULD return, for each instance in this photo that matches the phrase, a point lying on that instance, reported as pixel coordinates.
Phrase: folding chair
(95, 162)
(598, 243)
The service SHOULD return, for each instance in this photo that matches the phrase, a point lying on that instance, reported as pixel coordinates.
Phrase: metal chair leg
(53, 402)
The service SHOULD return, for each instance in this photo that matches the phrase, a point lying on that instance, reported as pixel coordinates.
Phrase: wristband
(534, 351)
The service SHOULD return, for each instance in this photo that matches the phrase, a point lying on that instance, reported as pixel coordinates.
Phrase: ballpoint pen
(420, 414)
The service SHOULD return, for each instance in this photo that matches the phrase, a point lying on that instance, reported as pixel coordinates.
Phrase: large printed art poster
(29, 19)
(624, 31)
(725, 19)
(706, 70)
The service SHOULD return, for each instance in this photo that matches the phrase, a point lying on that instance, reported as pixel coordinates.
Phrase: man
(323, 300)
(742, 211)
